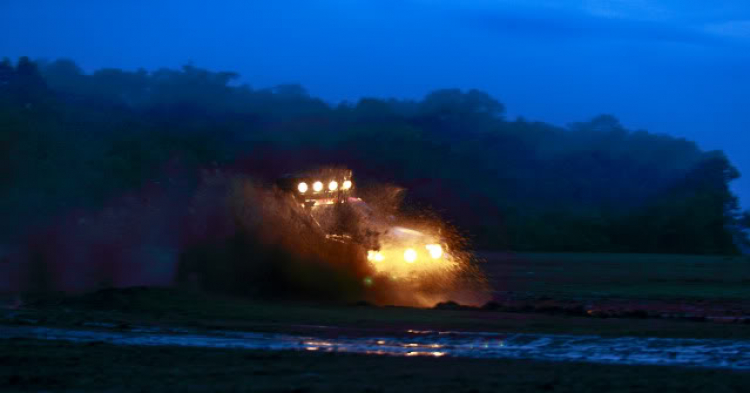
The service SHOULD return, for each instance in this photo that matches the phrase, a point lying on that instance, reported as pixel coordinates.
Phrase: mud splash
(707, 353)
(245, 238)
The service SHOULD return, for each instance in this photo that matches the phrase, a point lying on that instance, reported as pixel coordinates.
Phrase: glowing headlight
(333, 185)
(318, 186)
(410, 255)
(375, 256)
(347, 184)
(302, 187)
(436, 251)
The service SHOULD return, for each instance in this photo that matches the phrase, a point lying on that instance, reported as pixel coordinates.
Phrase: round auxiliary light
(436, 250)
(410, 255)
(318, 186)
(333, 185)
(302, 187)
(347, 185)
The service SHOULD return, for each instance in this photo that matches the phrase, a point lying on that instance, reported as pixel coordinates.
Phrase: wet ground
(707, 353)
(574, 322)
(55, 365)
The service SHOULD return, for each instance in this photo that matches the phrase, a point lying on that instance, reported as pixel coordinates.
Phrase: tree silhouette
(71, 140)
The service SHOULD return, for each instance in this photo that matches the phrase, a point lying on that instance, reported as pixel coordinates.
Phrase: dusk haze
(375, 195)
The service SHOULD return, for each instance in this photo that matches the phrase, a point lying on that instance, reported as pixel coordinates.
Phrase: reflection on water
(622, 350)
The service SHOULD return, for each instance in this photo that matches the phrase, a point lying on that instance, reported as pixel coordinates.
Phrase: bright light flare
(436, 251)
(302, 187)
(410, 255)
(412, 262)
(417, 264)
(333, 185)
(347, 185)
(318, 186)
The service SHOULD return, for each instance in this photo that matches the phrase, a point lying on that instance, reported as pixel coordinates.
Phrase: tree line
(74, 140)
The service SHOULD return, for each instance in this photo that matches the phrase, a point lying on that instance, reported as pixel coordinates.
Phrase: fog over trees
(71, 141)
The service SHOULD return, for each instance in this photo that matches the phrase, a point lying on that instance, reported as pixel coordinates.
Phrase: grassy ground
(29, 365)
(684, 283)
(630, 276)
(674, 286)
(711, 284)
(144, 306)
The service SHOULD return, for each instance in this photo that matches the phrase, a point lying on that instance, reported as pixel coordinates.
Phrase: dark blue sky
(680, 67)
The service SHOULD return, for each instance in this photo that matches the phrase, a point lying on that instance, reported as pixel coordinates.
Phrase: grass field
(175, 308)
(673, 283)
(631, 276)
(696, 284)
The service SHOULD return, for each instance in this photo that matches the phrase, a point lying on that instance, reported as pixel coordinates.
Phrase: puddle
(712, 353)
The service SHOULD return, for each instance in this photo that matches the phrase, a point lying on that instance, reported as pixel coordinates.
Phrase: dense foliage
(71, 140)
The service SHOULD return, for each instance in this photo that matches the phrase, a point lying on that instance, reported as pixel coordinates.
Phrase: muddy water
(711, 353)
